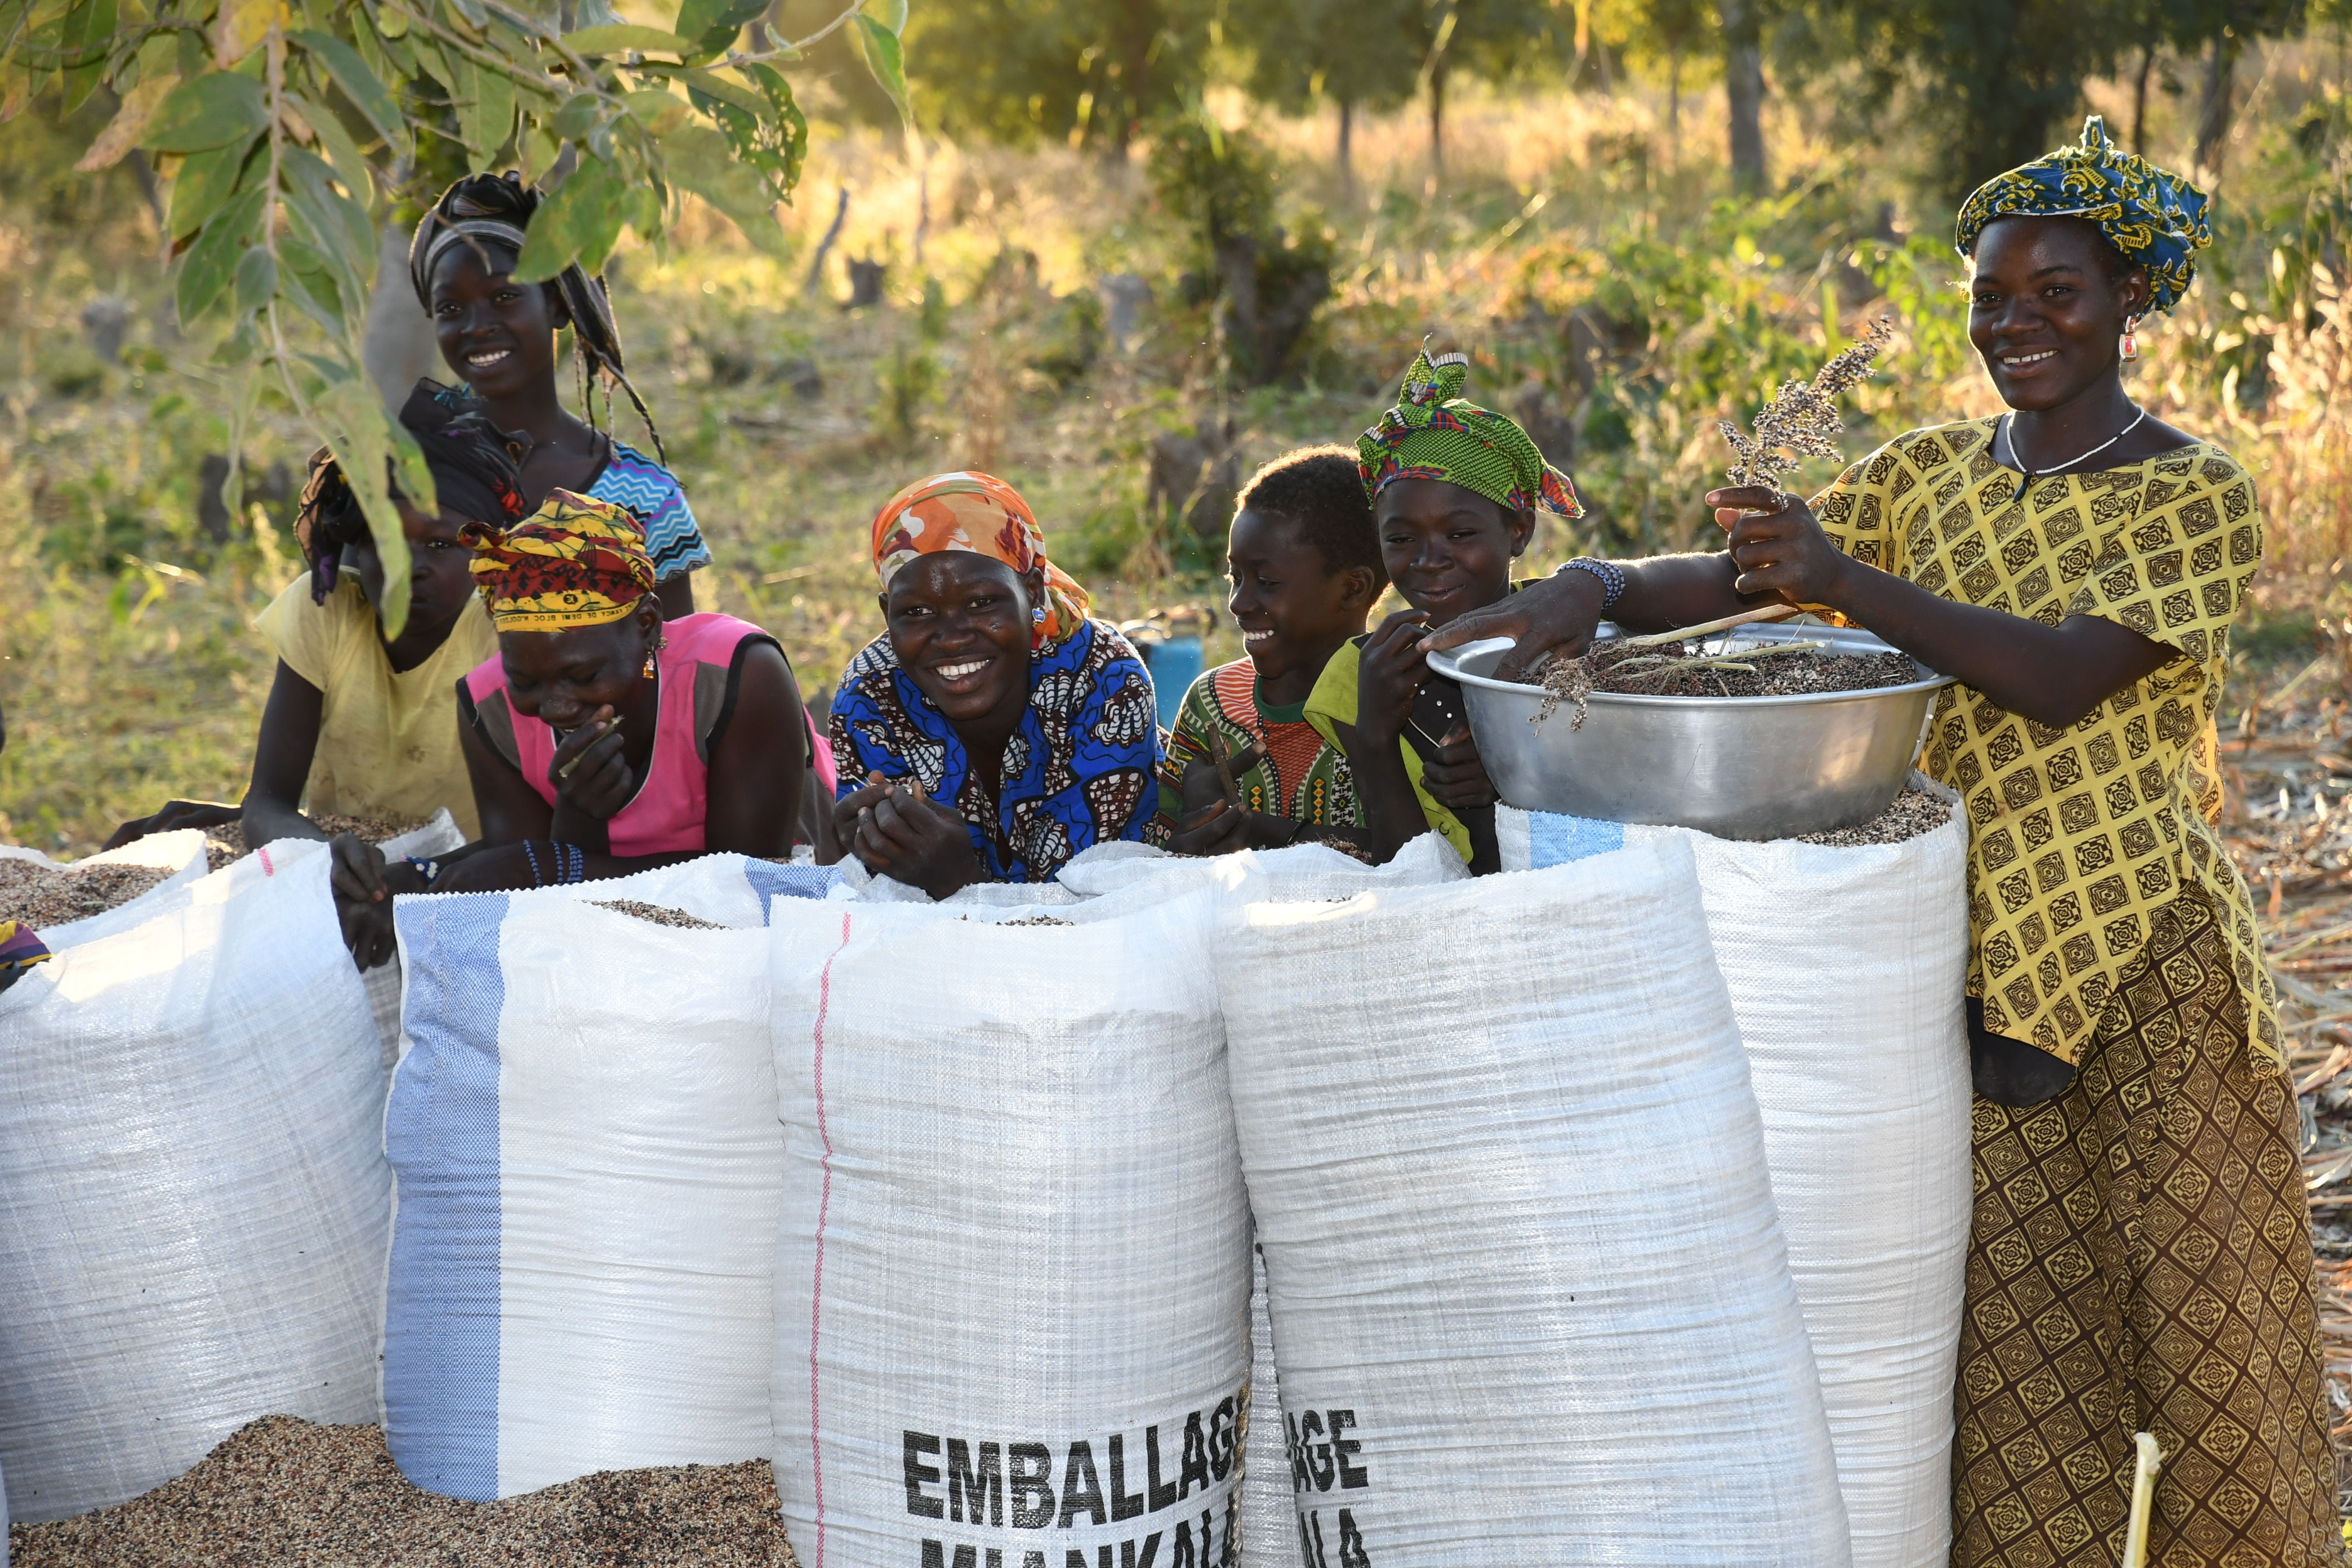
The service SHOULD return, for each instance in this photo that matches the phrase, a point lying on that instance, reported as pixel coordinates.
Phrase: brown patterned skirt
(2141, 1260)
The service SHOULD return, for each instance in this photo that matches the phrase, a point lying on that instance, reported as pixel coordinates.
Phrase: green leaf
(361, 85)
(582, 113)
(129, 121)
(702, 160)
(315, 292)
(584, 209)
(89, 26)
(205, 181)
(709, 84)
(362, 439)
(714, 24)
(351, 167)
(879, 44)
(310, 172)
(892, 14)
(659, 112)
(493, 119)
(257, 279)
(213, 110)
(206, 271)
(623, 38)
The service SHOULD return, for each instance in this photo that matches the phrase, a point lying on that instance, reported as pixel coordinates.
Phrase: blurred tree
(2220, 30)
(1495, 39)
(1998, 79)
(1357, 54)
(1742, 23)
(1669, 30)
(1091, 71)
(1267, 282)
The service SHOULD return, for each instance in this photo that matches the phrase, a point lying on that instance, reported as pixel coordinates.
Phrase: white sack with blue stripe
(1523, 1267)
(193, 1191)
(584, 1128)
(1846, 968)
(1014, 1274)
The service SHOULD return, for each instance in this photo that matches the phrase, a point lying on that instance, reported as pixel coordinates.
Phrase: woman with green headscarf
(2140, 1256)
(1454, 489)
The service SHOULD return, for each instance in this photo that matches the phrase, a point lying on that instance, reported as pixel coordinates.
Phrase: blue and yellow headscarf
(2153, 216)
(1435, 433)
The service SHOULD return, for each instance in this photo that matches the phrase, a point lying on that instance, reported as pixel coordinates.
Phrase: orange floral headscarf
(988, 517)
(575, 562)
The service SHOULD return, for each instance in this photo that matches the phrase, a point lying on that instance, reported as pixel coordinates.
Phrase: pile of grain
(659, 915)
(284, 1493)
(1912, 813)
(226, 841)
(1804, 674)
(43, 896)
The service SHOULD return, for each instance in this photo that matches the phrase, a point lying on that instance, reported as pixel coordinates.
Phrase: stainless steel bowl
(1738, 767)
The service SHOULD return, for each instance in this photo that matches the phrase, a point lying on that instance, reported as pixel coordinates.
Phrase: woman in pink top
(601, 740)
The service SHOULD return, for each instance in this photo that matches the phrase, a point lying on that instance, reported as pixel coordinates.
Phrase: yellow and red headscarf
(575, 562)
(986, 516)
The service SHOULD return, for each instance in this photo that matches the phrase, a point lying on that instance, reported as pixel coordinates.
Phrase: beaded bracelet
(532, 855)
(1611, 575)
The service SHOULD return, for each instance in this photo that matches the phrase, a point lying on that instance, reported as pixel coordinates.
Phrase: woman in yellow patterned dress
(2141, 1254)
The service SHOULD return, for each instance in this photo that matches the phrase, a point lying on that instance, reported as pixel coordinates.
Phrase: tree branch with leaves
(281, 125)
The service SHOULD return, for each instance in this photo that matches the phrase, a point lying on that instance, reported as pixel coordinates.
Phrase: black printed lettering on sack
(1320, 1457)
(1346, 1545)
(995, 1484)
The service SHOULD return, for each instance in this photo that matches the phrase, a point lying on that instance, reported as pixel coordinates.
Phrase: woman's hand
(1389, 677)
(1779, 547)
(588, 770)
(1455, 778)
(177, 814)
(896, 832)
(1211, 825)
(1556, 615)
(365, 887)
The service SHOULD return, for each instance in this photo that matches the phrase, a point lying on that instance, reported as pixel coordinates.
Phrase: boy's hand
(588, 772)
(1782, 551)
(1389, 677)
(1456, 778)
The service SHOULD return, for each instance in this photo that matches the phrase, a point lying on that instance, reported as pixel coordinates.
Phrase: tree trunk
(2213, 116)
(399, 345)
(2139, 101)
(1675, 92)
(1743, 81)
(1347, 150)
(1437, 126)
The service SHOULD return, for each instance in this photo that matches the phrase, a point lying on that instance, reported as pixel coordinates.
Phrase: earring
(649, 665)
(2128, 349)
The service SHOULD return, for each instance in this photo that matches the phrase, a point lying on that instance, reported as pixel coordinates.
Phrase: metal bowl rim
(1449, 664)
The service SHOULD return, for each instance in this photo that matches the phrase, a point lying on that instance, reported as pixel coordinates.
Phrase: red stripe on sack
(267, 869)
(823, 1208)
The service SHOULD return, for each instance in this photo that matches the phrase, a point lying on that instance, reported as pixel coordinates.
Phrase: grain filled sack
(583, 1128)
(192, 1192)
(1013, 1288)
(180, 854)
(1846, 968)
(1523, 1268)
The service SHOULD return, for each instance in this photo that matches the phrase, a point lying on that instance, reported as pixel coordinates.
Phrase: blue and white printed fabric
(1846, 968)
(590, 1172)
(654, 497)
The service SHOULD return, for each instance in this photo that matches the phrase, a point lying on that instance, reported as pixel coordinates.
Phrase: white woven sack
(1269, 1523)
(192, 1192)
(1866, 1103)
(584, 1128)
(181, 852)
(1522, 1263)
(438, 836)
(1012, 1289)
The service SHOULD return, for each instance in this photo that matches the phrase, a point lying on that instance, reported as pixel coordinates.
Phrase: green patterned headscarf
(1435, 433)
(2153, 216)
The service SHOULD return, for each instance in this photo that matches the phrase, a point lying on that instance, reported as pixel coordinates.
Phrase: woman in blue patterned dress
(995, 729)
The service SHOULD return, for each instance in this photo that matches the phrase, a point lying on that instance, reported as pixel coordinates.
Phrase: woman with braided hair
(498, 337)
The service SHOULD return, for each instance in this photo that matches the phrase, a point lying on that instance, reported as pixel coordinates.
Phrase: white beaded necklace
(2011, 441)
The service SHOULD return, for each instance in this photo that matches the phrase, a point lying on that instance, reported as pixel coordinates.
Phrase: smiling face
(2045, 310)
(564, 677)
(1293, 609)
(496, 335)
(1447, 549)
(959, 624)
(440, 574)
